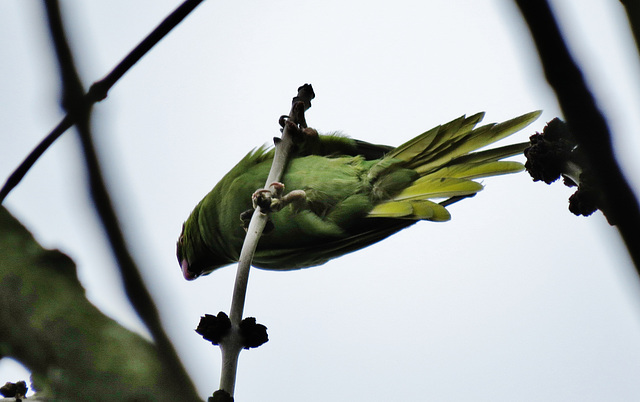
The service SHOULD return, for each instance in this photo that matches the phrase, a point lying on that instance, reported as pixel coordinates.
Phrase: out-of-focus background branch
(586, 122)
(74, 102)
(77, 104)
(98, 90)
(632, 8)
(73, 350)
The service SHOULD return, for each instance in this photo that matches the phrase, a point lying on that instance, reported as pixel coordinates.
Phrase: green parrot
(355, 194)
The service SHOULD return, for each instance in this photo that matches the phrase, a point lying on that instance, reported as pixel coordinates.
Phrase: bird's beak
(188, 275)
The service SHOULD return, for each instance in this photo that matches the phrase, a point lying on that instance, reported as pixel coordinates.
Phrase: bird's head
(194, 257)
(190, 271)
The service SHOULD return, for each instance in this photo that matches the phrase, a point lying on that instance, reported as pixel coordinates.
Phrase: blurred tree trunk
(73, 350)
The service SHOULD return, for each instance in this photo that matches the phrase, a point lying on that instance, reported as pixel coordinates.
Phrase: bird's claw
(245, 218)
(277, 189)
(272, 199)
(267, 197)
(262, 198)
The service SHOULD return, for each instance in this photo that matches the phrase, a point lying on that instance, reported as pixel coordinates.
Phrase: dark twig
(585, 122)
(31, 159)
(74, 101)
(632, 7)
(99, 90)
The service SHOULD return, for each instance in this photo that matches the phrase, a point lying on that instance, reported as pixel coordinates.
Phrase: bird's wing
(318, 254)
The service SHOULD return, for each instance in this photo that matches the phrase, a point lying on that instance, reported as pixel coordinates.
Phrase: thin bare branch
(232, 344)
(99, 90)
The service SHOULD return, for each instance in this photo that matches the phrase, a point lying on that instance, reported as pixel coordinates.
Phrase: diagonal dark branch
(30, 160)
(585, 122)
(99, 90)
(74, 101)
(632, 7)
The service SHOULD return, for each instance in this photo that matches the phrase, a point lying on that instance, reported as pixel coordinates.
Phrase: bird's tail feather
(447, 161)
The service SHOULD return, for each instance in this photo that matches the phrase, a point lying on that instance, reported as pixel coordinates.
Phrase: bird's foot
(299, 132)
(267, 197)
(245, 218)
(272, 199)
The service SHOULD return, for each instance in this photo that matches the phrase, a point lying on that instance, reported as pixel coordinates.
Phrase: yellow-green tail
(445, 157)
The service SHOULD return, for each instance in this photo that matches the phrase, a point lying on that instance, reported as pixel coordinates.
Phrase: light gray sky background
(513, 299)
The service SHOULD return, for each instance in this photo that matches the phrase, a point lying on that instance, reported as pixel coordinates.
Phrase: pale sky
(513, 299)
